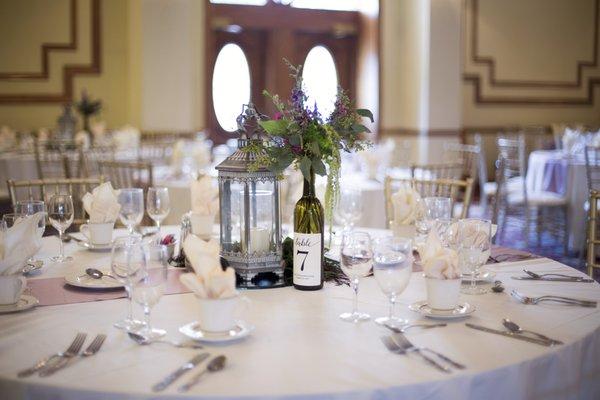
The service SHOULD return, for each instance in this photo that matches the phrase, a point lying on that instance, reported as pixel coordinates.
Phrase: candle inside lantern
(260, 240)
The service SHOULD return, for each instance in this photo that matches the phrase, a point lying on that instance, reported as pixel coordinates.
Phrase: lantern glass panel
(261, 218)
(232, 216)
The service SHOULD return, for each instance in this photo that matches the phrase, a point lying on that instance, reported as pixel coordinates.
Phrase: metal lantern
(250, 217)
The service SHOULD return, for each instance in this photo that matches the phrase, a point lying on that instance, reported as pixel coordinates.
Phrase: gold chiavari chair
(127, 174)
(465, 154)
(92, 157)
(452, 188)
(51, 162)
(592, 240)
(43, 189)
(436, 171)
(592, 167)
(158, 153)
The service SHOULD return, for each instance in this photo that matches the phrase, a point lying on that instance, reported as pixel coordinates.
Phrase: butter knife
(162, 385)
(573, 279)
(509, 334)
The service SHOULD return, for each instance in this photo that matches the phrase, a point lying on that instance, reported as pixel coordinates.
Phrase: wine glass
(437, 208)
(149, 287)
(60, 214)
(132, 207)
(128, 261)
(349, 208)
(392, 267)
(474, 246)
(32, 207)
(11, 218)
(157, 205)
(356, 261)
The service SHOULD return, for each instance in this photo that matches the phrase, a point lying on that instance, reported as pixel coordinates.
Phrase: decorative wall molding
(419, 132)
(493, 81)
(69, 70)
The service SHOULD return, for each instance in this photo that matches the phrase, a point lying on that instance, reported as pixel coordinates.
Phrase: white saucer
(25, 303)
(80, 279)
(461, 311)
(95, 247)
(193, 331)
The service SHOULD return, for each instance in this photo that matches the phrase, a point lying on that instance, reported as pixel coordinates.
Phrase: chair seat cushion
(538, 199)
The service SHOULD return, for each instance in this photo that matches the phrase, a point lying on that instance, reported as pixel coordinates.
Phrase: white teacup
(98, 233)
(11, 287)
(202, 225)
(219, 315)
(442, 294)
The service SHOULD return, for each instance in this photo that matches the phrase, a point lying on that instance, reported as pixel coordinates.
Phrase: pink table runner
(55, 291)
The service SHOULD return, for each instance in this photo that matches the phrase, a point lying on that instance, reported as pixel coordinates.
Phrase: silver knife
(573, 279)
(162, 385)
(509, 334)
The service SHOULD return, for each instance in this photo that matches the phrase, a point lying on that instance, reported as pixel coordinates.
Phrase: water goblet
(392, 267)
(60, 214)
(128, 260)
(474, 246)
(157, 205)
(11, 218)
(32, 207)
(356, 261)
(149, 287)
(349, 208)
(132, 207)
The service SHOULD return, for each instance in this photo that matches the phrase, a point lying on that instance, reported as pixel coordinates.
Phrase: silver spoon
(216, 364)
(404, 328)
(141, 339)
(32, 267)
(97, 274)
(515, 328)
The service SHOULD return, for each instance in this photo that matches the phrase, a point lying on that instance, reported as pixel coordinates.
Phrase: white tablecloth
(17, 167)
(576, 189)
(300, 349)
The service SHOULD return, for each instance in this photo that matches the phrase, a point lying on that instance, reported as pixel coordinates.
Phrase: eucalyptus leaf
(359, 128)
(363, 112)
(319, 167)
(305, 167)
(314, 148)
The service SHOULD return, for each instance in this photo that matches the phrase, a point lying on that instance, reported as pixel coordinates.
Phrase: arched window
(320, 79)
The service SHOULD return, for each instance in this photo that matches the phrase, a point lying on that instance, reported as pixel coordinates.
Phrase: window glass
(320, 80)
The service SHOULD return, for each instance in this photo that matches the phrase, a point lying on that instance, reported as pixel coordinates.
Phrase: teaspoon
(97, 274)
(515, 328)
(141, 339)
(216, 364)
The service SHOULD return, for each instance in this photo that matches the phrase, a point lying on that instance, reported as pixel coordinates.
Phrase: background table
(301, 349)
(551, 170)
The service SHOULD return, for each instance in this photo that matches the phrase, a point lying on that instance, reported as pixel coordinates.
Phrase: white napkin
(205, 197)
(18, 243)
(573, 141)
(201, 154)
(177, 156)
(406, 205)
(438, 262)
(82, 139)
(8, 138)
(102, 205)
(209, 279)
(127, 137)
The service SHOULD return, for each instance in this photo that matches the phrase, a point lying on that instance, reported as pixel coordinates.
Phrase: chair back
(127, 174)
(44, 189)
(465, 154)
(437, 171)
(481, 166)
(453, 188)
(51, 162)
(155, 152)
(93, 156)
(592, 239)
(592, 167)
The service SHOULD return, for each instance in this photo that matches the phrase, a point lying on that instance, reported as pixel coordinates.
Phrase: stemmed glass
(356, 261)
(474, 246)
(437, 208)
(128, 263)
(32, 207)
(132, 207)
(11, 219)
(157, 205)
(61, 214)
(392, 267)
(349, 208)
(149, 287)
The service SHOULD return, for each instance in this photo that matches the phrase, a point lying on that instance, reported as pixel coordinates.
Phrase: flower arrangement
(298, 135)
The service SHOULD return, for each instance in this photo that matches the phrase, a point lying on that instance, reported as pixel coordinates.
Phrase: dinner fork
(559, 299)
(403, 341)
(77, 343)
(396, 348)
(64, 359)
(89, 351)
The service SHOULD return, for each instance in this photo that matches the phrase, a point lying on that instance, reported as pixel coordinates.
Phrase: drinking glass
(473, 245)
(356, 261)
(349, 208)
(437, 208)
(128, 262)
(60, 214)
(31, 207)
(149, 287)
(392, 267)
(157, 205)
(11, 218)
(132, 207)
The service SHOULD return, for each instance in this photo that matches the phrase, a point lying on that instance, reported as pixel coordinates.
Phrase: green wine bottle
(308, 239)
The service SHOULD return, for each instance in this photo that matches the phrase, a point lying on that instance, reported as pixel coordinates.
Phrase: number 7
(305, 255)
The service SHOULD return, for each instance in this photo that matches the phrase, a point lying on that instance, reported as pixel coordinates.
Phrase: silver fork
(64, 358)
(80, 337)
(396, 348)
(89, 351)
(559, 299)
(403, 341)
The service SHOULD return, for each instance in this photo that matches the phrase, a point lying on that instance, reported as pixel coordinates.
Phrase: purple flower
(277, 116)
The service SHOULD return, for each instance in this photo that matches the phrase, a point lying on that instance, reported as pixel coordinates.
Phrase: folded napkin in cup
(209, 280)
(205, 197)
(127, 137)
(201, 154)
(102, 205)
(20, 242)
(406, 205)
(82, 140)
(178, 155)
(438, 261)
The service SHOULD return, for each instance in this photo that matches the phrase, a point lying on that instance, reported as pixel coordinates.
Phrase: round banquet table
(300, 349)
